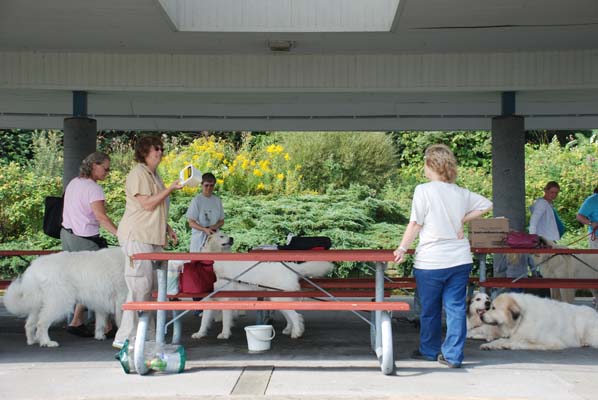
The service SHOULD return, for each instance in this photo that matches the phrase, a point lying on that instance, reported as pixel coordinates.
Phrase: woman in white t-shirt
(442, 258)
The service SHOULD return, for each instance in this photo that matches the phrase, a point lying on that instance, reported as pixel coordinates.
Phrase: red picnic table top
(332, 255)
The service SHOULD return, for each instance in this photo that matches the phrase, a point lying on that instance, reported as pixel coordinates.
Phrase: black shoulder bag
(53, 216)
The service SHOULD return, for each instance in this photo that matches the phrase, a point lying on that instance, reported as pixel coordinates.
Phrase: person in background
(515, 266)
(205, 213)
(443, 259)
(83, 213)
(144, 227)
(545, 221)
(588, 215)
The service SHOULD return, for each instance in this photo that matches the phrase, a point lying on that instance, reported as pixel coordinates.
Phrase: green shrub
(339, 159)
(22, 194)
(47, 154)
(16, 146)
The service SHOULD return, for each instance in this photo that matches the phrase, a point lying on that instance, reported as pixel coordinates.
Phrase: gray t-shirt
(206, 211)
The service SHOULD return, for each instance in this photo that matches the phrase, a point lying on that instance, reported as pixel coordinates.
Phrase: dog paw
(296, 335)
(100, 337)
(287, 330)
(486, 346)
(224, 335)
(198, 335)
(50, 343)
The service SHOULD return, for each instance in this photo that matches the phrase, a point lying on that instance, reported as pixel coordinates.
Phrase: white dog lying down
(528, 322)
(267, 274)
(567, 266)
(479, 303)
(53, 284)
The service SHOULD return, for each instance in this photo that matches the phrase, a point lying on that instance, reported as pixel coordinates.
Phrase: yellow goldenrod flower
(260, 186)
(265, 165)
(257, 172)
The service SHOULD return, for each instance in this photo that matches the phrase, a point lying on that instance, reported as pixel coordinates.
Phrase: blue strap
(559, 224)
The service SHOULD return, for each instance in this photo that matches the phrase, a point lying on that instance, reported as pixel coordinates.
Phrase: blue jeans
(437, 288)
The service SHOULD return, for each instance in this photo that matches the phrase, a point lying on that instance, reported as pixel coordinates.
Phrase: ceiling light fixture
(281, 45)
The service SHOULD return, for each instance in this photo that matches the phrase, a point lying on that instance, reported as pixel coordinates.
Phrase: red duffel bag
(197, 277)
(522, 240)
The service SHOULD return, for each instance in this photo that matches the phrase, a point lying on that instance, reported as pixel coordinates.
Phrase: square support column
(80, 136)
(508, 169)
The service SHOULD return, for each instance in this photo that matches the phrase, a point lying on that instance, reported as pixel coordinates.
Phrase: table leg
(161, 314)
(383, 327)
(139, 347)
(379, 296)
(386, 356)
(177, 328)
(482, 260)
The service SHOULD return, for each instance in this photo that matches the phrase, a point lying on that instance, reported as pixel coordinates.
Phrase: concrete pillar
(508, 169)
(80, 135)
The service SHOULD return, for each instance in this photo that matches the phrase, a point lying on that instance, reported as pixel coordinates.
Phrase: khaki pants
(139, 276)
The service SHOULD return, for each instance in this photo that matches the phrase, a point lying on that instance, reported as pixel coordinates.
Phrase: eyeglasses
(107, 169)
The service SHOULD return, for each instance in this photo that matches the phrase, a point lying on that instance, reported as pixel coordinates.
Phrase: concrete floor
(332, 360)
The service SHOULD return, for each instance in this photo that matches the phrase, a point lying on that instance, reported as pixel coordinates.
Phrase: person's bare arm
(408, 237)
(149, 203)
(217, 225)
(475, 214)
(193, 224)
(99, 210)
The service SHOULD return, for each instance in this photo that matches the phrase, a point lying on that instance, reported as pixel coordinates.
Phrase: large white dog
(53, 284)
(265, 275)
(580, 266)
(528, 322)
(477, 306)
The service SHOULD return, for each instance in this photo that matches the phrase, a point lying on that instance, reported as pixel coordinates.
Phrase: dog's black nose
(487, 304)
(230, 240)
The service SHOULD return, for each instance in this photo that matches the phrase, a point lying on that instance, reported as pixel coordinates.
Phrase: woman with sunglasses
(205, 214)
(144, 227)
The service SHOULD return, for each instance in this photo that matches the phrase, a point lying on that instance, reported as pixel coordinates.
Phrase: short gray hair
(87, 164)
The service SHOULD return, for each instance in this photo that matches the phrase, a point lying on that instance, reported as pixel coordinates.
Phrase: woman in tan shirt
(144, 227)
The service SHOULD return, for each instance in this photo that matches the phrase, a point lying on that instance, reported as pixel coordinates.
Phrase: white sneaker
(118, 345)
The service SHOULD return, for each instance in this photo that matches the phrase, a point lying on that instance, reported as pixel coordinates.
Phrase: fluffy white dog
(266, 274)
(479, 303)
(567, 266)
(528, 322)
(53, 284)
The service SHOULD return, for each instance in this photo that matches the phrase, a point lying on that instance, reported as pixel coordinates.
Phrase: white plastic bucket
(190, 176)
(259, 337)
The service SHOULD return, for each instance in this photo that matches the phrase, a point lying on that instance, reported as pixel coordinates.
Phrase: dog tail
(315, 269)
(14, 299)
